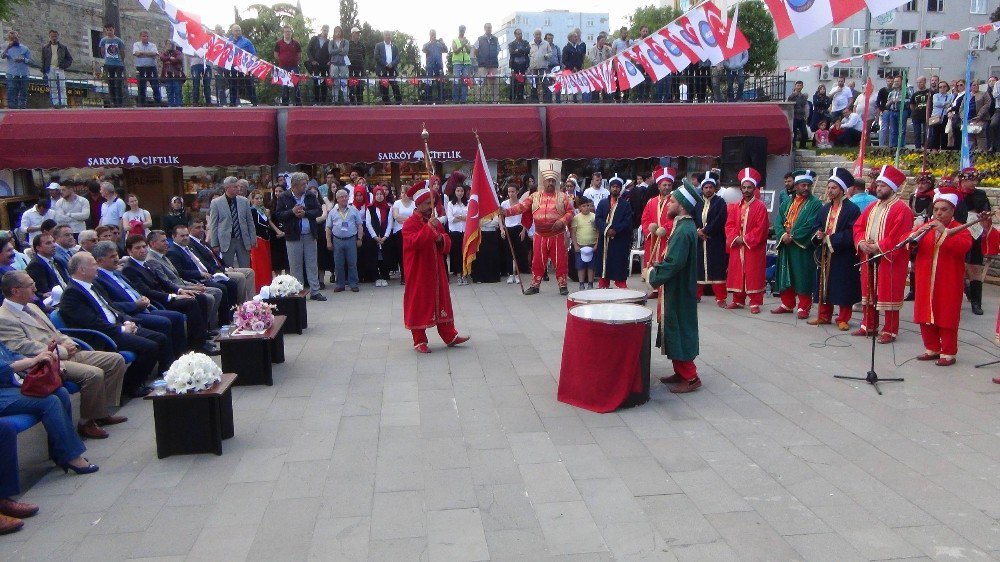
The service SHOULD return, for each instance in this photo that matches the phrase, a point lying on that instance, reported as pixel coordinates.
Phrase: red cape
(426, 297)
(887, 223)
(940, 278)
(748, 261)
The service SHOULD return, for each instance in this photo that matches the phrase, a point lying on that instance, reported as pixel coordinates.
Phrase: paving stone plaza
(364, 450)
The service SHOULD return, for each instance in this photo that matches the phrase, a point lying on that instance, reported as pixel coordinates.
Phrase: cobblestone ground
(362, 449)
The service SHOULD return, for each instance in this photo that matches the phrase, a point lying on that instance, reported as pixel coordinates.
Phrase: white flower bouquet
(284, 285)
(192, 372)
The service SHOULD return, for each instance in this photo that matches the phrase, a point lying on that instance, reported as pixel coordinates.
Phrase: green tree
(409, 53)
(264, 30)
(348, 16)
(757, 25)
(652, 16)
(7, 9)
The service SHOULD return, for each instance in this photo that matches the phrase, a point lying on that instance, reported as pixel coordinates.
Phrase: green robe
(796, 265)
(678, 276)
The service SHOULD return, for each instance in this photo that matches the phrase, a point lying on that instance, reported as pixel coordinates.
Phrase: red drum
(601, 296)
(605, 360)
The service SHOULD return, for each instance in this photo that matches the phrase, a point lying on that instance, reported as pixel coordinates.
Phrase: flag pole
(901, 121)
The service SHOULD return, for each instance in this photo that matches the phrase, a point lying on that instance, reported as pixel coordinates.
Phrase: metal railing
(228, 88)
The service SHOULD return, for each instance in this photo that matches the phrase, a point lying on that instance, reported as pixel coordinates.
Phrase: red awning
(138, 138)
(652, 131)
(392, 134)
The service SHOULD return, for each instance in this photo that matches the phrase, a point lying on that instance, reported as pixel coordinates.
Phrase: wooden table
(250, 355)
(294, 308)
(195, 422)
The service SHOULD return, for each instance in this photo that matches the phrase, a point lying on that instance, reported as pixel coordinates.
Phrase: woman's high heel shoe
(90, 468)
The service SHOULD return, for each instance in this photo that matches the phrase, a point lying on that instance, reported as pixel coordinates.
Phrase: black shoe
(355, 289)
(317, 297)
(322, 285)
(563, 291)
(531, 291)
(977, 309)
(140, 391)
(545, 277)
(909, 297)
(208, 349)
(212, 333)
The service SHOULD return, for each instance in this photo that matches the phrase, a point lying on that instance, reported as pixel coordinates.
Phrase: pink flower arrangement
(255, 316)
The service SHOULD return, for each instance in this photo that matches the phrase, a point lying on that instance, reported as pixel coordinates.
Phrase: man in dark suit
(386, 61)
(168, 295)
(243, 276)
(296, 212)
(86, 305)
(200, 267)
(157, 261)
(44, 270)
(126, 297)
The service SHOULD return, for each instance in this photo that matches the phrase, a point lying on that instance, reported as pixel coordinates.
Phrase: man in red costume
(551, 211)
(940, 279)
(656, 223)
(747, 226)
(881, 228)
(426, 298)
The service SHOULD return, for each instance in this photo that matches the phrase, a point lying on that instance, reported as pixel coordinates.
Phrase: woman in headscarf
(175, 216)
(279, 258)
(360, 202)
(376, 257)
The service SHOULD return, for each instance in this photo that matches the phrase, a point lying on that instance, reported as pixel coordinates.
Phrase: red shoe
(886, 337)
(802, 314)
(861, 333)
(734, 306)
(781, 310)
(996, 380)
(459, 340)
(421, 348)
(754, 309)
(686, 386)
(926, 356)
(945, 362)
(722, 304)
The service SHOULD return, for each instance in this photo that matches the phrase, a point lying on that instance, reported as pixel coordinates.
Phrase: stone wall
(75, 20)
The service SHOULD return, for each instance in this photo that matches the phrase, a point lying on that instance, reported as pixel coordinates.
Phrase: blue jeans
(893, 128)
(740, 78)
(56, 414)
(10, 484)
(345, 261)
(460, 92)
(17, 92)
(919, 132)
(432, 90)
(201, 78)
(884, 128)
(174, 91)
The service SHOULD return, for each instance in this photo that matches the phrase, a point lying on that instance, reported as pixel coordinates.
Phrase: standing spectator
(136, 220)
(840, 98)
(287, 52)
(486, 51)
(518, 240)
(172, 72)
(241, 83)
(113, 51)
(146, 54)
(402, 208)
(736, 75)
(518, 49)
(642, 90)
(979, 117)
(223, 77)
(894, 105)
(573, 55)
(918, 112)
(461, 66)
(339, 56)
(201, 79)
(264, 230)
(56, 60)
(324, 259)
(820, 108)
(113, 207)
(378, 223)
(538, 67)
(940, 103)
(994, 129)
(457, 213)
(32, 219)
(602, 52)
(231, 225)
(94, 199)
(72, 210)
(344, 229)
(296, 212)
(881, 103)
(433, 51)
(176, 215)
(318, 63)
(18, 57)
(386, 63)
(279, 254)
(799, 114)
(554, 60)
(620, 45)
(356, 70)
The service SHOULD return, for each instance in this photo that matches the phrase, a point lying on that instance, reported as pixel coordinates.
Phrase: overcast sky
(416, 18)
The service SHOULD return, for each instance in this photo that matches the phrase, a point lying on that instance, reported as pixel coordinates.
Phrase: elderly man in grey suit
(231, 226)
(157, 261)
(25, 329)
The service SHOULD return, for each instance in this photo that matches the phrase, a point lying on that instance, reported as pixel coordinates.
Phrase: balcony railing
(224, 88)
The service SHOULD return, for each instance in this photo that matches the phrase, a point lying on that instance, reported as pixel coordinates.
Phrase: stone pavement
(362, 449)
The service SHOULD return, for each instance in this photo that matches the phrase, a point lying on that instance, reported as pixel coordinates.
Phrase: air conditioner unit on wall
(824, 72)
(835, 50)
(886, 59)
(857, 50)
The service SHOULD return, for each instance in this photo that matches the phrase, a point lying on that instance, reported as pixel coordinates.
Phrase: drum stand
(872, 377)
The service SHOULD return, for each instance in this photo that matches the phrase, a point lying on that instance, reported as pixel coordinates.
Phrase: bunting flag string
(804, 17)
(922, 44)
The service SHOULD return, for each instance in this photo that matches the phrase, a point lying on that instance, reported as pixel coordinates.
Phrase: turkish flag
(727, 33)
(483, 204)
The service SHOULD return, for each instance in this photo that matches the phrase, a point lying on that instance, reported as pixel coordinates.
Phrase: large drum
(605, 361)
(602, 296)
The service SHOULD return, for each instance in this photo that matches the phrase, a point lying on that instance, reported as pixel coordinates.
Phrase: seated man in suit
(25, 329)
(196, 269)
(43, 268)
(168, 295)
(66, 245)
(123, 295)
(159, 245)
(85, 305)
(244, 276)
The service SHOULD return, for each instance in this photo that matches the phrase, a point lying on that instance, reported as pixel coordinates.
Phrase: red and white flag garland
(804, 17)
(922, 44)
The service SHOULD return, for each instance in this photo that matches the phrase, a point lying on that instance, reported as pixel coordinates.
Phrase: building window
(932, 71)
(547, 22)
(977, 41)
(886, 38)
(858, 38)
(977, 7)
(884, 71)
(590, 23)
(931, 34)
(839, 37)
(95, 43)
(935, 5)
(908, 36)
(845, 71)
(910, 6)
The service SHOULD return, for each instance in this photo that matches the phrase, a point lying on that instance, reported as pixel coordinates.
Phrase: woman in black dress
(279, 257)
(377, 252)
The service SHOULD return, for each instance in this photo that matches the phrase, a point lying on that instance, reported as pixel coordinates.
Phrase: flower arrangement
(254, 316)
(192, 372)
(284, 285)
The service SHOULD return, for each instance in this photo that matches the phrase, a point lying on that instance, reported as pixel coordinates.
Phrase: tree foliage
(7, 9)
(349, 16)
(653, 16)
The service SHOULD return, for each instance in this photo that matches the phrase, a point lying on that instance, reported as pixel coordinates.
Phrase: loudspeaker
(740, 152)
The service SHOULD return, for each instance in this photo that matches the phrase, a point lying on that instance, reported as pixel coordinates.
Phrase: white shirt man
(32, 219)
(113, 207)
(72, 210)
(596, 194)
